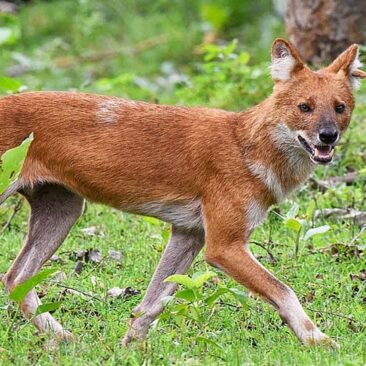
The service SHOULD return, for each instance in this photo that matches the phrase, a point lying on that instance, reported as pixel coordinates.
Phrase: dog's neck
(270, 150)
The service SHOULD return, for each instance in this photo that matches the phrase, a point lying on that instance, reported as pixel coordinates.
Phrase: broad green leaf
(152, 220)
(165, 234)
(240, 295)
(20, 291)
(211, 299)
(294, 210)
(181, 308)
(316, 231)
(193, 314)
(180, 279)
(9, 84)
(202, 278)
(186, 294)
(293, 224)
(11, 163)
(179, 320)
(167, 300)
(45, 308)
(197, 274)
(178, 310)
(196, 282)
(310, 210)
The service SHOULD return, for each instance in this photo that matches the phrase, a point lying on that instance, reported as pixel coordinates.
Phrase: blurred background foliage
(162, 51)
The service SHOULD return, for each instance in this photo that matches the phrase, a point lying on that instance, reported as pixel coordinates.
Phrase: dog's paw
(132, 339)
(134, 335)
(323, 341)
(127, 339)
(65, 336)
(54, 341)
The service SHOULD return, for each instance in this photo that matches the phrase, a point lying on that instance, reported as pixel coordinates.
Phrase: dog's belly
(187, 215)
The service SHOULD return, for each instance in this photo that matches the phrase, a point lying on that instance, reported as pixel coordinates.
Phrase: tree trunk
(322, 29)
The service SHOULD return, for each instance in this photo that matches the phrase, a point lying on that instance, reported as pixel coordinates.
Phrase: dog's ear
(285, 60)
(348, 64)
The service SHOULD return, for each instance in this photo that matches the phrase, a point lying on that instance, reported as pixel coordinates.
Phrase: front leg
(228, 225)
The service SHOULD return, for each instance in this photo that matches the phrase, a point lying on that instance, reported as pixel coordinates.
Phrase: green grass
(255, 335)
(57, 38)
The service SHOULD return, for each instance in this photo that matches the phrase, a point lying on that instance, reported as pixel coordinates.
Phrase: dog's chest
(187, 215)
(283, 181)
(270, 179)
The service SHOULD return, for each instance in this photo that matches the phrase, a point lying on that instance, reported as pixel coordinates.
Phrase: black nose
(328, 135)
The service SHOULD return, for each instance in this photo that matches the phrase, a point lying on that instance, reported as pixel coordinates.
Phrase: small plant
(302, 226)
(192, 302)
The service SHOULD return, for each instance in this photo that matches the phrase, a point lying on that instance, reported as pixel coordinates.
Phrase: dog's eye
(304, 107)
(339, 108)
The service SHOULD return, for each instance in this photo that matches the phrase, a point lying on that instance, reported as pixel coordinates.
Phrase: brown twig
(333, 314)
(237, 307)
(72, 289)
(265, 248)
(16, 209)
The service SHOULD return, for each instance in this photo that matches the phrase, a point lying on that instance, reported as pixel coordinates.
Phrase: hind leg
(54, 210)
(178, 256)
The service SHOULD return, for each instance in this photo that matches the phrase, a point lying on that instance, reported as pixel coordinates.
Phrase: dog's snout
(328, 135)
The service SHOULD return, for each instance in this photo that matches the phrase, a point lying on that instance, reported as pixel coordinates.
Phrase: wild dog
(211, 173)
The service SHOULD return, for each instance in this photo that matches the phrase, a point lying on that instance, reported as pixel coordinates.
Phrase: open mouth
(320, 154)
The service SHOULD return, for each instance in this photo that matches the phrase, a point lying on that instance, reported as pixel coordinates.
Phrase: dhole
(212, 174)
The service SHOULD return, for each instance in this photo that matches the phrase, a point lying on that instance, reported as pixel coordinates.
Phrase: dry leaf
(93, 255)
(78, 267)
(116, 256)
(116, 292)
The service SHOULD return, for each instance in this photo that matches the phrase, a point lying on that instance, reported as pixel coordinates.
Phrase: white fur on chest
(185, 215)
(270, 179)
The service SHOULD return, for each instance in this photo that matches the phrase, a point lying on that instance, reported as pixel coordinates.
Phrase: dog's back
(113, 150)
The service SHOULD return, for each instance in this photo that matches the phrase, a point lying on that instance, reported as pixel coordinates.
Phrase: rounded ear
(348, 64)
(285, 60)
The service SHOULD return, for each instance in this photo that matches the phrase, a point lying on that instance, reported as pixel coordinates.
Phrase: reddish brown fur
(119, 163)
(126, 154)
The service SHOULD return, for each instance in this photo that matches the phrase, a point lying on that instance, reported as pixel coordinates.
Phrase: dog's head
(314, 107)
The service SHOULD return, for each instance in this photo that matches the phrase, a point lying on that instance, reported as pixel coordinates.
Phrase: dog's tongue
(323, 151)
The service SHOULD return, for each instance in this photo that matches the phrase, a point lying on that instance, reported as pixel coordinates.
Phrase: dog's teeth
(323, 151)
